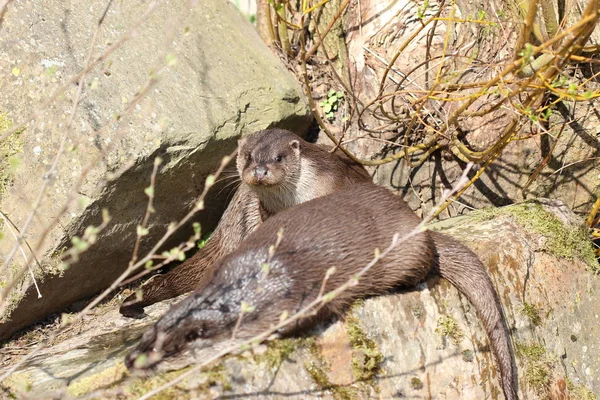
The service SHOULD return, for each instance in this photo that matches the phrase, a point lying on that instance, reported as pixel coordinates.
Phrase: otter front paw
(132, 308)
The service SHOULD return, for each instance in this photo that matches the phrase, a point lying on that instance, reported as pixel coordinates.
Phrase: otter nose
(261, 172)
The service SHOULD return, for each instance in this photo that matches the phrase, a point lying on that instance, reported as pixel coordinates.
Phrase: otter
(278, 170)
(317, 235)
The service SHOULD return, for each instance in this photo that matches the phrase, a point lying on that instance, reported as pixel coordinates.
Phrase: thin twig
(142, 228)
(10, 228)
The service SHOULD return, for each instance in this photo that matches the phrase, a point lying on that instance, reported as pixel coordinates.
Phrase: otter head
(269, 158)
(191, 321)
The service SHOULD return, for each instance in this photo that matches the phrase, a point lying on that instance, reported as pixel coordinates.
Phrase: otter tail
(465, 271)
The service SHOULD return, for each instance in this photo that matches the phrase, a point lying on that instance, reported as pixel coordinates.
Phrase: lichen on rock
(562, 240)
(9, 148)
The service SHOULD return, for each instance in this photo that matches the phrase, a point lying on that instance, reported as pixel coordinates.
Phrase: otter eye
(279, 158)
(191, 336)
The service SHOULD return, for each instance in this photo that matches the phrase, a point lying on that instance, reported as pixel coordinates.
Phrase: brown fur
(284, 171)
(305, 171)
(317, 235)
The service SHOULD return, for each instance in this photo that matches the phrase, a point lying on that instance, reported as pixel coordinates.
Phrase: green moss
(366, 357)
(417, 312)
(9, 148)
(143, 385)
(317, 371)
(448, 327)
(468, 356)
(538, 366)
(579, 392)
(279, 350)
(320, 378)
(216, 375)
(532, 314)
(18, 383)
(416, 383)
(93, 382)
(563, 241)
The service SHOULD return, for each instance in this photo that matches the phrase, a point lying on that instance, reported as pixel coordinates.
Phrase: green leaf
(210, 180)
(91, 231)
(331, 93)
(142, 231)
(330, 272)
(171, 59)
(527, 52)
(246, 308)
(265, 268)
(327, 108)
(197, 228)
(547, 112)
(105, 216)
(284, 315)
(79, 244)
(328, 297)
(140, 361)
(149, 191)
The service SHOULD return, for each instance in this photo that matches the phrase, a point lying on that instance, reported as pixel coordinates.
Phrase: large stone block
(188, 80)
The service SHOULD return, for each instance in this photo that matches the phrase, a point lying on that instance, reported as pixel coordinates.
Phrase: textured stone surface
(397, 340)
(216, 80)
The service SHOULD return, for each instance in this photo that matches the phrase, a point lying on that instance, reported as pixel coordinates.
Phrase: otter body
(318, 235)
(278, 171)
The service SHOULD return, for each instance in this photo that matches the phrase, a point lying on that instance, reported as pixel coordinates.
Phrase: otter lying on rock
(317, 235)
(278, 170)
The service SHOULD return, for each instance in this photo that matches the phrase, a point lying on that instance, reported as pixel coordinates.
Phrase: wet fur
(340, 230)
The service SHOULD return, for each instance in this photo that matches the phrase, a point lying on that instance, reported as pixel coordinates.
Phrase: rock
(425, 342)
(212, 79)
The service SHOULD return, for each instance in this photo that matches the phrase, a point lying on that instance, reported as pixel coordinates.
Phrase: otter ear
(295, 144)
